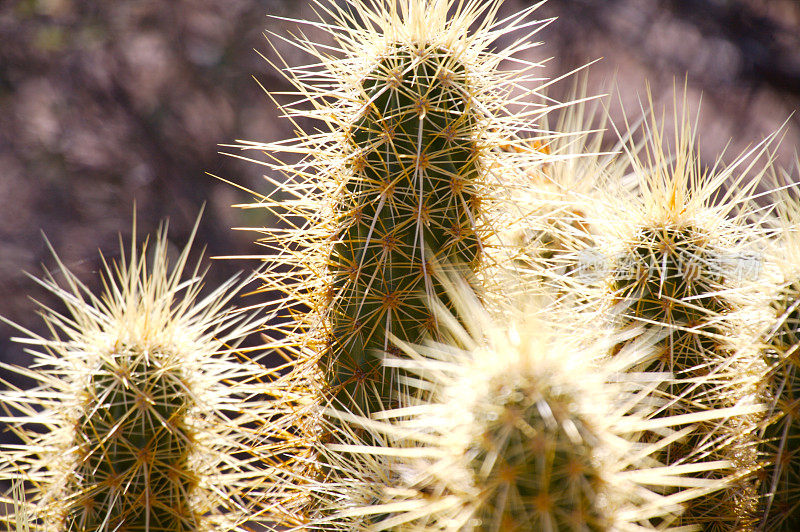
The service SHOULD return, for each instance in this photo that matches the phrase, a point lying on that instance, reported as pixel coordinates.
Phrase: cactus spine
(676, 273)
(135, 398)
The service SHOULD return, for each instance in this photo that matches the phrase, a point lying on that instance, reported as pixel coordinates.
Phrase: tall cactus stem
(400, 181)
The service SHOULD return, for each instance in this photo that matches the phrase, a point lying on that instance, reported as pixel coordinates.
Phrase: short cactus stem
(145, 402)
(549, 232)
(676, 272)
(534, 456)
(134, 444)
(696, 352)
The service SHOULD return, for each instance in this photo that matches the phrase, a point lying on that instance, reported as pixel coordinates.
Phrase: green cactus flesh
(133, 474)
(409, 205)
(543, 473)
(782, 481)
(670, 281)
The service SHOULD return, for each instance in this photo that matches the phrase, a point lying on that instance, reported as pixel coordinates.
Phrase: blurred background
(104, 105)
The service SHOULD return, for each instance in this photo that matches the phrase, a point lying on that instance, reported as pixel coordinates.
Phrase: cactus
(675, 271)
(402, 404)
(399, 185)
(781, 486)
(502, 432)
(552, 224)
(533, 440)
(416, 114)
(139, 396)
(410, 204)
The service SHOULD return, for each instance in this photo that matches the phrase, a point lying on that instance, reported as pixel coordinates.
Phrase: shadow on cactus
(144, 401)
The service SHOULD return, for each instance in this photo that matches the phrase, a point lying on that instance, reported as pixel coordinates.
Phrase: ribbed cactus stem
(408, 207)
(669, 282)
(133, 473)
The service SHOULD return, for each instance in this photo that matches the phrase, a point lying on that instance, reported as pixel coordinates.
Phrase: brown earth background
(104, 105)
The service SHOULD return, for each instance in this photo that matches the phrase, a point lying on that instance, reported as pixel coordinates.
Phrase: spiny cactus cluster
(364, 211)
(653, 385)
(139, 398)
(500, 431)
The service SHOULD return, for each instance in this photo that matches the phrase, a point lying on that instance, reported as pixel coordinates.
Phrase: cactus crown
(534, 448)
